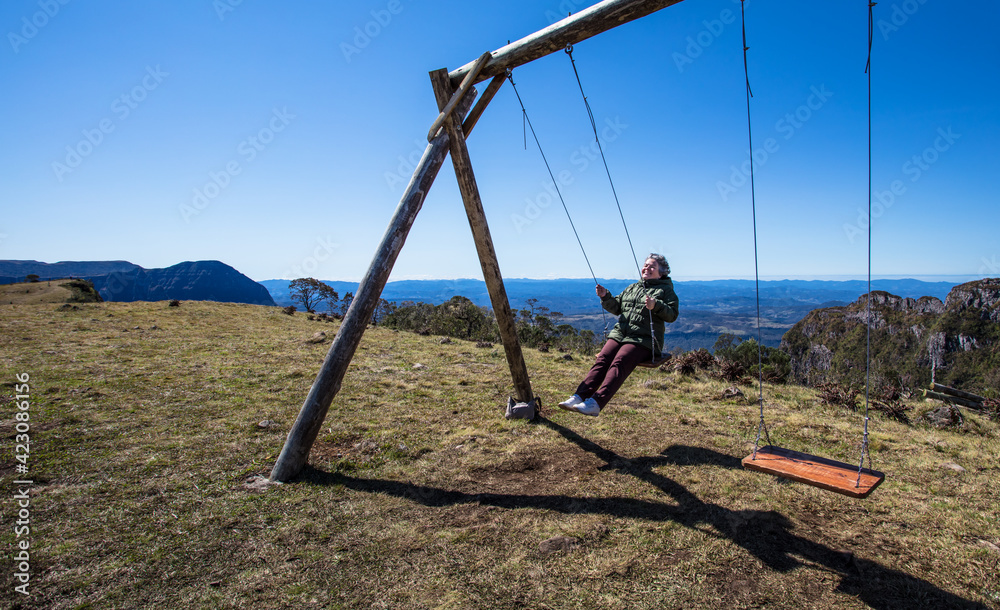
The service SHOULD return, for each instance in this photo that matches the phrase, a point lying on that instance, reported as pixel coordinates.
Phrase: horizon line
(928, 278)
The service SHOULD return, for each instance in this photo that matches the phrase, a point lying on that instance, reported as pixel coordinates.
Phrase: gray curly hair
(661, 264)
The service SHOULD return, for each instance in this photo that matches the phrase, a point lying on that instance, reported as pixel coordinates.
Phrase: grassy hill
(50, 291)
(149, 423)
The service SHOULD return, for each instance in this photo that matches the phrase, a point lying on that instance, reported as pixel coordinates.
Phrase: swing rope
(527, 121)
(593, 125)
(635, 259)
(868, 313)
(761, 426)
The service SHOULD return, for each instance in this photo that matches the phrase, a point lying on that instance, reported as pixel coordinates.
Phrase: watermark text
(31, 26)
(122, 107)
(787, 126)
(247, 150)
(22, 486)
(914, 168)
(370, 30)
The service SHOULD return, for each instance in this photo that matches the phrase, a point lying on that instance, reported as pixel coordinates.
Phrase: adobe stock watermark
(914, 168)
(565, 9)
(787, 126)
(990, 267)
(325, 247)
(122, 107)
(30, 26)
(117, 283)
(581, 159)
(247, 151)
(22, 419)
(898, 16)
(224, 7)
(697, 44)
(364, 34)
(407, 165)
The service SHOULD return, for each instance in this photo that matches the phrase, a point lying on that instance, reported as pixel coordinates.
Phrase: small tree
(310, 292)
(345, 303)
(382, 309)
(32, 277)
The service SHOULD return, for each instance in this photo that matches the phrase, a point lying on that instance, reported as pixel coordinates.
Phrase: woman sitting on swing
(642, 308)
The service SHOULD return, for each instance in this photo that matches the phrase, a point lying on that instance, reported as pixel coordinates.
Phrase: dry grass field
(151, 425)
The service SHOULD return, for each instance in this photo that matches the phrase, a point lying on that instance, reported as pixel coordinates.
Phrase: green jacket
(633, 316)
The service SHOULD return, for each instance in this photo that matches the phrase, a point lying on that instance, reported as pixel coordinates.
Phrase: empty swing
(831, 475)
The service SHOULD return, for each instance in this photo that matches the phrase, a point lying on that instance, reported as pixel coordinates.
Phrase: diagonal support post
(307, 425)
(484, 242)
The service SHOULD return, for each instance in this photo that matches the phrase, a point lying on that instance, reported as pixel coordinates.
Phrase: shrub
(991, 406)
(685, 364)
(83, 291)
(731, 371)
(837, 394)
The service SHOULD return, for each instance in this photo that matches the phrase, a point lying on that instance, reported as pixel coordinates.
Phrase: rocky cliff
(123, 281)
(957, 341)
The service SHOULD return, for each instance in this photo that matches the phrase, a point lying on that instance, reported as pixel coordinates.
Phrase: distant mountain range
(576, 296)
(125, 281)
(708, 308)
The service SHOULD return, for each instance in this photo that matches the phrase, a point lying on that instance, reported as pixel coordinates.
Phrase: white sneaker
(589, 407)
(571, 403)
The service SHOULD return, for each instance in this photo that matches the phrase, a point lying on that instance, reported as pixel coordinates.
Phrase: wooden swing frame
(454, 92)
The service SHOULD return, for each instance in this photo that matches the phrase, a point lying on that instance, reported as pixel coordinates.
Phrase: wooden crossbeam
(589, 22)
(816, 471)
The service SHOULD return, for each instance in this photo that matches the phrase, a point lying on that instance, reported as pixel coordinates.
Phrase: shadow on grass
(764, 534)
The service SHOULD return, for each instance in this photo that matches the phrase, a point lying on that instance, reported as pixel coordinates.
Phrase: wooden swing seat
(820, 472)
(652, 364)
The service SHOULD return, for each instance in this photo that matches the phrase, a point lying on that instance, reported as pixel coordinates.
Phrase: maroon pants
(613, 366)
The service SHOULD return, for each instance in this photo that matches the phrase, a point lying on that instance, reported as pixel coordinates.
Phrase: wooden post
(480, 107)
(937, 387)
(307, 425)
(457, 96)
(589, 22)
(962, 402)
(484, 242)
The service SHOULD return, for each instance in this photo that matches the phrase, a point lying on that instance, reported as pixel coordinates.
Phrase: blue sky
(278, 137)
